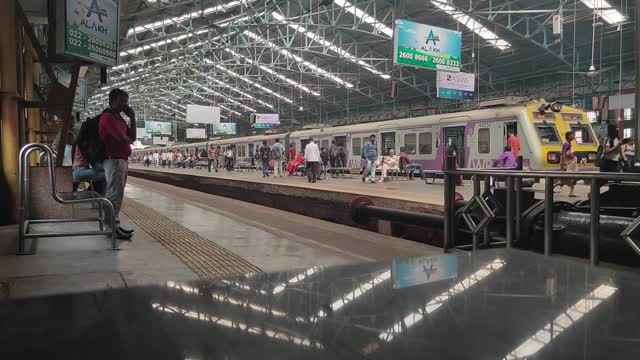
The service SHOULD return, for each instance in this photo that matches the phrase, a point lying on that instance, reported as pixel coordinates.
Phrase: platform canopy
(332, 60)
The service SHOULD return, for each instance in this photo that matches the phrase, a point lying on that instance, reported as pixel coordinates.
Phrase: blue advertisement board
(426, 46)
(423, 269)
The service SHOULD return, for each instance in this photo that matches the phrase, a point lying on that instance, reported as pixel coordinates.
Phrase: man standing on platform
(265, 154)
(277, 153)
(213, 157)
(370, 155)
(117, 137)
(312, 157)
(514, 143)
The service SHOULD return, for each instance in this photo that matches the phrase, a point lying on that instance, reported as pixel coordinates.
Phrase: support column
(637, 105)
(9, 125)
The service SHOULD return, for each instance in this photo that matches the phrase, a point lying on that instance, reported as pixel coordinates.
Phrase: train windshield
(547, 133)
(583, 133)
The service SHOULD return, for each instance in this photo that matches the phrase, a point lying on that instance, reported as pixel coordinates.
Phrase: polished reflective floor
(496, 304)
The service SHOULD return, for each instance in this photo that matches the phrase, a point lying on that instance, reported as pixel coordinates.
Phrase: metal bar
(518, 214)
(53, 221)
(449, 206)
(85, 233)
(509, 218)
(594, 234)
(487, 233)
(476, 193)
(548, 215)
(577, 175)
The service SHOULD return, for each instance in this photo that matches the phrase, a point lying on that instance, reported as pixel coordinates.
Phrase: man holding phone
(117, 137)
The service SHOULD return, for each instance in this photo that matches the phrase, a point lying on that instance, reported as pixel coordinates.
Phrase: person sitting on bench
(410, 167)
(389, 162)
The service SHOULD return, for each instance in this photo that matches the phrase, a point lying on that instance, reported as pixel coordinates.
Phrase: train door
(455, 136)
(303, 144)
(387, 141)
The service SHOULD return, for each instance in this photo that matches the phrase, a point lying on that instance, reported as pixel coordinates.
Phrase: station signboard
(90, 31)
(456, 85)
(224, 129)
(157, 128)
(426, 46)
(193, 133)
(201, 114)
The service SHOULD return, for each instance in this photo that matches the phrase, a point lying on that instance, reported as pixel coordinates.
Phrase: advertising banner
(423, 269)
(426, 46)
(267, 118)
(196, 133)
(265, 126)
(80, 99)
(457, 86)
(141, 133)
(199, 114)
(160, 140)
(224, 129)
(91, 30)
(157, 128)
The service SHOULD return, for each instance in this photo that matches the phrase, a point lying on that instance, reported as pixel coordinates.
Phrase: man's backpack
(341, 153)
(89, 141)
(277, 151)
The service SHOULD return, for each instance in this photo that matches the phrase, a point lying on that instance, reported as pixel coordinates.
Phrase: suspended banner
(193, 133)
(160, 140)
(200, 114)
(141, 133)
(457, 86)
(264, 121)
(157, 128)
(426, 46)
(90, 29)
(224, 129)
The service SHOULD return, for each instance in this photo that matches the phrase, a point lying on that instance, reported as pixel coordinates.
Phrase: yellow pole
(9, 130)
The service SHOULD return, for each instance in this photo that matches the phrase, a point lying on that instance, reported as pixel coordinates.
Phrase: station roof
(331, 61)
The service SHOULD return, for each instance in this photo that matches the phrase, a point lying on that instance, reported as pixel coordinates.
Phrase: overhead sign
(267, 118)
(265, 126)
(80, 99)
(196, 133)
(200, 114)
(90, 31)
(160, 140)
(141, 133)
(458, 86)
(423, 269)
(157, 128)
(426, 46)
(224, 129)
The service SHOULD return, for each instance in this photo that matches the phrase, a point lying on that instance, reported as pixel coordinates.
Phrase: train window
(410, 144)
(548, 133)
(324, 144)
(484, 141)
(583, 133)
(388, 142)
(426, 143)
(356, 146)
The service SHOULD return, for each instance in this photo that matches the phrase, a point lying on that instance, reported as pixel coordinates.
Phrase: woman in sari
(293, 165)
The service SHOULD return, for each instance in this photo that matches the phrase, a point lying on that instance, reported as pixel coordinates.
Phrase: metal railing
(24, 211)
(514, 208)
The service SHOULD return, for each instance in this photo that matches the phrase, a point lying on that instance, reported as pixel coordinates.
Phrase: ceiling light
(605, 10)
(366, 18)
(300, 108)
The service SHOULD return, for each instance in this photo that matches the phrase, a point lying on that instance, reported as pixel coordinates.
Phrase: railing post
(449, 203)
(509, 217)
(518, 214)
(594, 235)
(476, 192)
(548, 215)
(487, 233)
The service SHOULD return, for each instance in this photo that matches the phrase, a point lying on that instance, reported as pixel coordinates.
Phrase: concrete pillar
(9, 130)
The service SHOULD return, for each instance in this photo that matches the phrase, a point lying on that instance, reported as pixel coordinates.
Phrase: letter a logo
(95, 9)
(433, 37)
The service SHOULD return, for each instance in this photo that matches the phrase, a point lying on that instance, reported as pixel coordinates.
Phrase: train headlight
(553, 157)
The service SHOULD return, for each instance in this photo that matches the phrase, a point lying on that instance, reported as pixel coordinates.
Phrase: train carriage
(479, 135)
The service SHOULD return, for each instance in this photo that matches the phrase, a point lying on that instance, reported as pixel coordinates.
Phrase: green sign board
(426, 46)
(224, 129)
(91, 30)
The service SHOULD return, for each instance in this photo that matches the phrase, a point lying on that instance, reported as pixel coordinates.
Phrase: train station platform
(500, 304)
(181, 234)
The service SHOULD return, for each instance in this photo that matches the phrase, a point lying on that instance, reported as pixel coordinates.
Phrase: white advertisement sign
(160, 140)
(196, 133)
(200, 114)
(459, 86)
(267, 118)
(141, 133)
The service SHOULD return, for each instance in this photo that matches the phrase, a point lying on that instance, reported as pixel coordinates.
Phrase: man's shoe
(126, 231)
(122, 236)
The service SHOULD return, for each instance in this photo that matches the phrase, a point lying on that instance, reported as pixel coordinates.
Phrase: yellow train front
(545, 126)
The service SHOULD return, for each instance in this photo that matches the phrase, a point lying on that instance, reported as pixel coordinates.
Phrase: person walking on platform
(257, 159)
(568, 162)
(630, 155)
(277, 153)
(333, 153)
(265, 154)
(212, 156)
(117, 137)
(513, 142)
(324, 157)
(292, 152)
(312, 157)
(370, 155)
